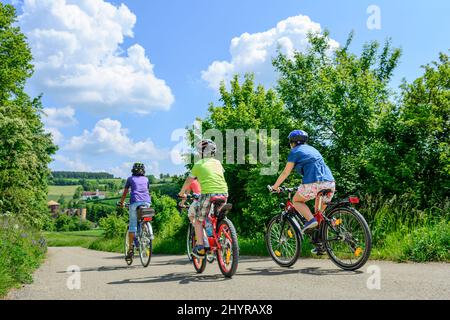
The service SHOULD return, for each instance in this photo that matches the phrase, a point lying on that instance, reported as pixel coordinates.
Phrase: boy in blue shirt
(309, 163)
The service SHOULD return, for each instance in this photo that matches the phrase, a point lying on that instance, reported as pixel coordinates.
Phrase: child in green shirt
(209, 172)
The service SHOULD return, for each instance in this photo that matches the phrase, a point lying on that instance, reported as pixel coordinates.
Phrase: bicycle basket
(145, 213)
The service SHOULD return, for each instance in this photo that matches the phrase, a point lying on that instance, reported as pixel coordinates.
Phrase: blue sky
(102, 49)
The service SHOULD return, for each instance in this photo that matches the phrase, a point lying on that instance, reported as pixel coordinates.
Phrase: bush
(66, 223)
(113, 226)
(428, 243)
(21, 251)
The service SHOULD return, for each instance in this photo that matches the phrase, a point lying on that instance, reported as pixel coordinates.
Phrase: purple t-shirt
(139, 188)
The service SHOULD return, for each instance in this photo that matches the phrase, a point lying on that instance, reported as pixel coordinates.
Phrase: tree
(340, 98)
(25, 148)
(62, 200)
(245, 107)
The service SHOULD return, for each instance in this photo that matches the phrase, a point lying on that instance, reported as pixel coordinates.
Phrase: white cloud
(79, 60)
(70, 164)
(59, 117)
(124, 170)
(108, 137)
(254, 52)
(56, 135)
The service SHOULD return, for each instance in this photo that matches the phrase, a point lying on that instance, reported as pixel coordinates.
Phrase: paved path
(106, 276)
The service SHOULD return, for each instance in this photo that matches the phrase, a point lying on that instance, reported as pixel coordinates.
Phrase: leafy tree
(25, 148)
(339, 97)
(245, 107)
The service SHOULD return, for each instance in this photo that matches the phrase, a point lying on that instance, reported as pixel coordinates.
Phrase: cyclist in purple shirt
(140, 196)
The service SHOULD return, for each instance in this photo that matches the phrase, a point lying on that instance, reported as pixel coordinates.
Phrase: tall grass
(403, 231)
(21, 252)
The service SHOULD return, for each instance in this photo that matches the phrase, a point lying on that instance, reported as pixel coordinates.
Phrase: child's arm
(286, 172)
(124, 195)
(185, 185)
(125, 192)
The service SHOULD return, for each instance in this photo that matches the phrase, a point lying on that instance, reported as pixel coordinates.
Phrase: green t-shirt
(209, 173)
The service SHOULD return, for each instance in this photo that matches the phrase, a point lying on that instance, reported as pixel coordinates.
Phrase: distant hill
(81, 175)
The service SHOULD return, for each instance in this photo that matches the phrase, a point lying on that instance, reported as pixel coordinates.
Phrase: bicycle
(337, 232)
(143, 239)
(190, 231)
(222, 244)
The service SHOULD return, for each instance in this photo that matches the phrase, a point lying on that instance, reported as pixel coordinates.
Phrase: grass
(21, 251)
(55, 192)
(73, 239)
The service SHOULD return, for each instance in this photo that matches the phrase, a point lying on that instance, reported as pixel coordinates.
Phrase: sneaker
(318, 251)
(199, 252)
(129, 256)
(310, 224)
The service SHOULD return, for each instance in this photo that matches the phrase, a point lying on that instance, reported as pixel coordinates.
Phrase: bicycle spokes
(283, 240)
(346, 238)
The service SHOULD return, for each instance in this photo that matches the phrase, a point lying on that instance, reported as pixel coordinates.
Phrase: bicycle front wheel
(228, 254)
(126, 247)
(145, 244)
(199, 264)
(189, 246)
(347, 238)
(282, 241)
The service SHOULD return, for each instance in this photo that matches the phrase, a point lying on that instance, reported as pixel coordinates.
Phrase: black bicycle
(343, 233)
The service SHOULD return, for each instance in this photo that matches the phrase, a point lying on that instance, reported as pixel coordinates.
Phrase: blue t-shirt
(310, 164)
(139, 188)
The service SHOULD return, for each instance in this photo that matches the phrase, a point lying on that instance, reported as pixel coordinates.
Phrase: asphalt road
(106, 276)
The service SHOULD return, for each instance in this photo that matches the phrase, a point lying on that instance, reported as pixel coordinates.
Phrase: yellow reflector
(358, 251)
(277, 253)
(228, 256)
(290, 234)
(148, 252)
(338, 222)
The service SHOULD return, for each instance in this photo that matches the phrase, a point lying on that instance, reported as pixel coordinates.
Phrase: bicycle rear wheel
(228, 255)
(199, 264)
(347, 239)
(282, 241)
(145, 244)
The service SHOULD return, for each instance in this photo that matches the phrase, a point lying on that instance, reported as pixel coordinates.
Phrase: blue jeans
(133, 214)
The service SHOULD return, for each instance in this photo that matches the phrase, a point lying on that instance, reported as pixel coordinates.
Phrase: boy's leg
(305, 193)
(300, 206)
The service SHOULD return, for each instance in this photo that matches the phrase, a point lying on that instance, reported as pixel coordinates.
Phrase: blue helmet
(298, 136)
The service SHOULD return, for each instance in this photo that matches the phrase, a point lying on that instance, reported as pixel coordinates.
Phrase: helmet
(298, 136)
(138, 169)
(207, 147)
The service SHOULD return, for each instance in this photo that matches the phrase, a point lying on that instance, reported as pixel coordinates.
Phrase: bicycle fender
(296, 225)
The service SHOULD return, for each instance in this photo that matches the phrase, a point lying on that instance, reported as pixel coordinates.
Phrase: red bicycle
(343, 233)
(222, 242)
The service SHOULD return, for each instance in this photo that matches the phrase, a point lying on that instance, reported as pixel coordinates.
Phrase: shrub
(21, 251)
(113, 226)
(429, 243)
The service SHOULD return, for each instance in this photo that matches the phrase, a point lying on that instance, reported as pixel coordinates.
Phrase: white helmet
(206, 147)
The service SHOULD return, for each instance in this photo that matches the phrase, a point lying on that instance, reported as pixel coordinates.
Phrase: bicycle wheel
(347, 239)
(199, 264)
(189, 246)
(145, 244)
(282, 241)
(228, 255)
(126, 248)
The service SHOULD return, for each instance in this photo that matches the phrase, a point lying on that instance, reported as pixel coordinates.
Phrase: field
(54, 192)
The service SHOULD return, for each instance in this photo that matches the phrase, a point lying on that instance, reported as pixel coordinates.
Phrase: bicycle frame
(214, 243)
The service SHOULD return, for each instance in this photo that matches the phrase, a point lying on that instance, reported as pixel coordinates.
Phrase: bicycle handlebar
(282, 189)
(195, 196)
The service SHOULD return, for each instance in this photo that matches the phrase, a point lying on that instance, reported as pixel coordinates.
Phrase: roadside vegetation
(390, 147)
